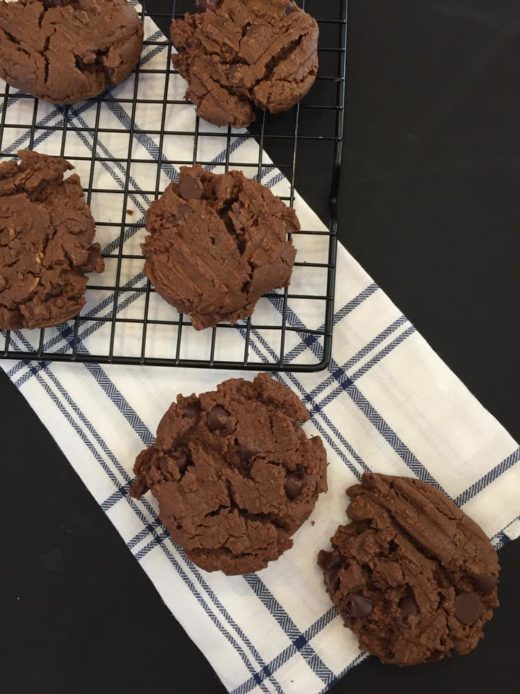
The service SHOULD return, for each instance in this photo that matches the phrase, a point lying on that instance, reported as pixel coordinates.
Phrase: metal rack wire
(126, 146)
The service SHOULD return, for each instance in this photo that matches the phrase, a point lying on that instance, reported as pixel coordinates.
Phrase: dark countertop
(430, 207)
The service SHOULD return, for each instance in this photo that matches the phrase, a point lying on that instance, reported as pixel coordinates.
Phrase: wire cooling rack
(127, 145)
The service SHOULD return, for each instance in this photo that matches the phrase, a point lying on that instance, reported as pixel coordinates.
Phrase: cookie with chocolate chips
(65, 51)
(216, 244)
(240, 54)
(412, 576)
(234, 473)
(46, 242)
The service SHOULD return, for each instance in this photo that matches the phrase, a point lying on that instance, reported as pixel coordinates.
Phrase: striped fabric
(386, 403)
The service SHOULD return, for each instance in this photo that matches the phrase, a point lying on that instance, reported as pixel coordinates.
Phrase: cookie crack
(69, 267)
(41, 16)
(12, 38)
(46, 57)
(46, 273)
(225, 216)
(266, 518)
(246, 286)
(277, 58)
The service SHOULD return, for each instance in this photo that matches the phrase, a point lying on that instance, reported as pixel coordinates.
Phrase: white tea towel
(386, 403)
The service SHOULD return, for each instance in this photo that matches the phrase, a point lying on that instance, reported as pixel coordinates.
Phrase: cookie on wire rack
(66, 51)
(216, 244)
(240, 54)
(46, 242)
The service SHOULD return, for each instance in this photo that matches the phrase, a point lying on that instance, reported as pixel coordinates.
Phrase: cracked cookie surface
(238, 54)
(65, 51)
(46, 234)
(412, 575)
(216, 244)
(234, 473)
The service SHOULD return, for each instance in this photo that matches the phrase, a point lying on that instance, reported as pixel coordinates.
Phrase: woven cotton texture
(387, 403)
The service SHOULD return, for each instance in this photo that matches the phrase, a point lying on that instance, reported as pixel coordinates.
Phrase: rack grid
(127, 145)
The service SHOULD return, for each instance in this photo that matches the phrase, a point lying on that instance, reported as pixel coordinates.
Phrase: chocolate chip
(203, 5)
(357, 606)
(220, 420)
(332, 574)
(468, 608)
(293, 486)
(192, 409)
(190, 188)
(178, 460)
(48, 4)
(182, 460)
(484, 584)
(246, 452)
(289, 9)
(408, 608)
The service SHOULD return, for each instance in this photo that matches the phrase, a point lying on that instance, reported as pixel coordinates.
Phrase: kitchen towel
(386, 403)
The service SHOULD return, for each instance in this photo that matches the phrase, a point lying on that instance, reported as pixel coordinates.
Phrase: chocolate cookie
(46, 233)
(238, 54)
(412, 576)
(66, 51)
(234, 474)
(216, 244)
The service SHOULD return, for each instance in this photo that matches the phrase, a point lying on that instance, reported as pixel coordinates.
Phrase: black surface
(430, 207)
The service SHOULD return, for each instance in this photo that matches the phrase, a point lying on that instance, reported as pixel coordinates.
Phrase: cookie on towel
(234, 473)
(412, 575)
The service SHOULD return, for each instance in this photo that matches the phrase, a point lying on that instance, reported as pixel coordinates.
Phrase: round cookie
(46, 234)
(412, 576)
(234, 473)
(238, 54)
(216, 244)
(65, 51)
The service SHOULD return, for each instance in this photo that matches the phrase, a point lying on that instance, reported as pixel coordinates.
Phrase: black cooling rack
(124, 320)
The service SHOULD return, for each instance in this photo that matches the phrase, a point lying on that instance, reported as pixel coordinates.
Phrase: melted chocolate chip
(332, 574)
(357, 606)
(408, 608)
(484, 584)
(468, 608)
(190, 188)
(203, 5)
(293, 486)
(220, 420)
(192, 409)
(182, 461)
(177, 461)
(56, 3)
(246, 452)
